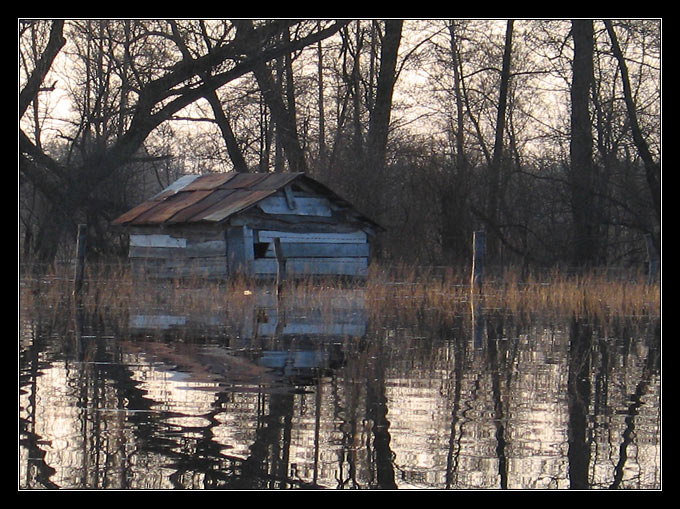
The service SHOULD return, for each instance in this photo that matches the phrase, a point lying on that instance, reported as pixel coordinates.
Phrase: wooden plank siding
(302, 206)
(207, 248)
(194, 254)
(314, 253)
(312, 237)
(172, 268)
(314, 266)
(319, 250)
(157, 240)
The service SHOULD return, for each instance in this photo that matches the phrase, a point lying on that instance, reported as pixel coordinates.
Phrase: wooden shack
(222, 224)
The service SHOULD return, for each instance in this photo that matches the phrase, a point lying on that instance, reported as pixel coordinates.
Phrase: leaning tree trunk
(652, 168)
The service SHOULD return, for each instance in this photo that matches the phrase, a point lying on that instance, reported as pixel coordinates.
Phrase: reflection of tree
(580, 343)
(100, 386)
(38, 472)
(586, 374)
(105, 389)
(495, 328)
(376, 411)
(200, 455)
(651, 366)
(267, 465)
(345, 414)
(453, 456)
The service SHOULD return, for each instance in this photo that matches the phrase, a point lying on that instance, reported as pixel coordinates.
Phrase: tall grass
(388, 291)
(596, 292)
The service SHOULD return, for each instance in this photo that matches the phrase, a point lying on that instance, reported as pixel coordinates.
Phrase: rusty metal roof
(211, 198)
(215, 197)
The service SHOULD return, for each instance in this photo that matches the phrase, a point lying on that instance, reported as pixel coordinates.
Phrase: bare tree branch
(32, 87)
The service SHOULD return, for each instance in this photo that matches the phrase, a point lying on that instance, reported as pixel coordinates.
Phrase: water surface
(299, 397)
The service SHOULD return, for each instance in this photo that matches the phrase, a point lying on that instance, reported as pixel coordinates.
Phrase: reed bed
(387, 291)
(597, 292)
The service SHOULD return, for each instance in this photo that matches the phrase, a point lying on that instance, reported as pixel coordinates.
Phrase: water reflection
(281, 397)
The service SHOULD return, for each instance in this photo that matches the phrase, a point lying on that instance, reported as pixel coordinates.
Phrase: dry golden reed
(387, 291)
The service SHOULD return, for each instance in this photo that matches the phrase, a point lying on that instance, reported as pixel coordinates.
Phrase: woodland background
(544, 133)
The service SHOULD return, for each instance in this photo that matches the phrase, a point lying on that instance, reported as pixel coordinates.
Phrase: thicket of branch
(434, 128)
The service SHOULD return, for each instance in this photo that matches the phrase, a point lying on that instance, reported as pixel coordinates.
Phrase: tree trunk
(459, 134)
(322, 117)
(497, 160)
(221, 119)
(380, 116)
(581, 146)
(282, 116)
(32, 87)
(233, 149)
(358, 139)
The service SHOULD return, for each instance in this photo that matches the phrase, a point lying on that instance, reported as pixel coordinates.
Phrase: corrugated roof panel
(235, 202)
(171, 206)
(244, 180)
(131, 214)
(176, 186)
(210, 181)
(232, 196)
(275, 181)
(188, 213)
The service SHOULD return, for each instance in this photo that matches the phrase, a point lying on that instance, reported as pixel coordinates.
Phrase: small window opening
(260, 248)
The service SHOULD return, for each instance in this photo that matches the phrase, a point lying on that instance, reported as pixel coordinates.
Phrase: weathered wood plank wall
(315, 238)
(344, 254)
(183, 254)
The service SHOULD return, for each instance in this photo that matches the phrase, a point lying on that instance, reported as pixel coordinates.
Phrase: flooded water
(296, 397)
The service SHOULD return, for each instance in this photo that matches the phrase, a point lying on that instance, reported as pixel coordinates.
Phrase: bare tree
(72, 188)
(211, 96)
(652, 167)
(554, 153)
(271, 92)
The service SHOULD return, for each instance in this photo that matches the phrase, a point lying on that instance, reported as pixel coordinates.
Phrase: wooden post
(653, 259)
(280, 266)
(476, 280)
(80, 259)
(478, 252)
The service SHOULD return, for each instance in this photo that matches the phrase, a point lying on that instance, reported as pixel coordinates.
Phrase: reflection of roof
(214, 197)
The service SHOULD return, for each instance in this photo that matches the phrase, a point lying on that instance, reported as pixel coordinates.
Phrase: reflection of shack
(304, 334)
(297, 336)
(222, 224)
(258, 361)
